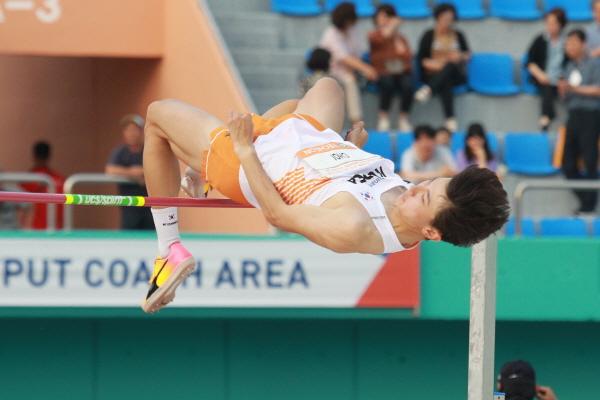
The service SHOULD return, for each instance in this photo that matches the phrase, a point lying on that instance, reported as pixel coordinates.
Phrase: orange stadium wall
(70, 81)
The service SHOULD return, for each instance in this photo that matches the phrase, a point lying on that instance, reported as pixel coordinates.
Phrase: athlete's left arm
(330, 228)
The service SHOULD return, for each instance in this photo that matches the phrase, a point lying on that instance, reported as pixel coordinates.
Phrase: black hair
(343, 15)
(477, 206)
(41, 150)
(319, 60)
(579, 33)
(476, 129)
(560, 15)
(442, 8)
(385, 8)
(424, 130)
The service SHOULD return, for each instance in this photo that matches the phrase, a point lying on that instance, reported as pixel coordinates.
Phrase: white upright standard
(482, 324)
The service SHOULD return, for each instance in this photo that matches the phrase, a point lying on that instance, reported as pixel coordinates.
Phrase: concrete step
(269, 58)
(260, 38)
(265, 99)
(218, 6)
(261, 78)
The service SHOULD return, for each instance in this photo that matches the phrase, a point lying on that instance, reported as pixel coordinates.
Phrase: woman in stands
(344, 43)
(545, 61)
(442, 59)
(392, 58)
(477, 150)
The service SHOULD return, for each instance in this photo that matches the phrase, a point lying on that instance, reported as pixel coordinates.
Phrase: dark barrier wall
(552, 286)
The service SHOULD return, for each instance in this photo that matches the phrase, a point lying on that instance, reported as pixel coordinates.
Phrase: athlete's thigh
(325, 103)
(186, 127)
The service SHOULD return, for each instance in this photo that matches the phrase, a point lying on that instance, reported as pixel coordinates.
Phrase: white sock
(167, 228)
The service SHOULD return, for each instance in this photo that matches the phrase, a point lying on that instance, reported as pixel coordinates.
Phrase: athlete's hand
(358, 135)
(241, 131)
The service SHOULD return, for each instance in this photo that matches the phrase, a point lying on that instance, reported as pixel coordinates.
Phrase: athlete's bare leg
(174, 131)
(285, 107)
(324, 102)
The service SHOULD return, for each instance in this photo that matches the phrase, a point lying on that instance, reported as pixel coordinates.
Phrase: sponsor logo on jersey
(371, 177)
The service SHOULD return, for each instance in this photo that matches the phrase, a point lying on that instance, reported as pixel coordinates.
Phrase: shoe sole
(166, 293)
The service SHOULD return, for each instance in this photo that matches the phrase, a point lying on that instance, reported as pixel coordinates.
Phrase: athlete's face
(420, 204)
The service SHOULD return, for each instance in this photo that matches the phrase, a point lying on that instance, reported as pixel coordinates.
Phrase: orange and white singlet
(308, 166)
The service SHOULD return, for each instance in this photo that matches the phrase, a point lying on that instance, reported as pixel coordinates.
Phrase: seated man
(293, 165)
(426, 159)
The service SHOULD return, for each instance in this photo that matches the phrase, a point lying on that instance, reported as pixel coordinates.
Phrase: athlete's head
(462, 210)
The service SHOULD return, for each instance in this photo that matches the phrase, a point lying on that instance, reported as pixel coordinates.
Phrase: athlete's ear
(431, 233)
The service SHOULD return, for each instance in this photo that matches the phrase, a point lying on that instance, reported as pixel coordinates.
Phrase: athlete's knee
(329, 85)
(157, 113)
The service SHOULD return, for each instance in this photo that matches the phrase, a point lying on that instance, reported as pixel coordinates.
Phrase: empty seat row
(523, 153)
(555, 227)
(520, 10)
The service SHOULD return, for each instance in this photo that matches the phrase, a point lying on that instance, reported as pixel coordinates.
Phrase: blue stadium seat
(527, 227)
(577, 10)
(567, 226)
(411, 9)
(457, 142)
(302, 8)
(528, 154)
(520, 10)
(492, 74)
(467, 9)
(596, 227)
(364, 8)
(403, 143)
(527, 86)
(379, 143)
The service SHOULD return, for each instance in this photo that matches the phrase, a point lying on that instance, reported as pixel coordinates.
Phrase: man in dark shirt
(127, 160)
(581, 91)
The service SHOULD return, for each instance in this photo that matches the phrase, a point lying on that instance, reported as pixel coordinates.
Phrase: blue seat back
(596, 227)
(515, 9)
(490, 69)
(403, 143)
(527, 150)
(527, 227)
(364, 8)
(567, 226)
(527, 85)
(297, 7)
(577, 10)
(379, 143)
(411, 8)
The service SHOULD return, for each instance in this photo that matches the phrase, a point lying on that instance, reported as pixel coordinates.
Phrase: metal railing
(87, 178)
(537, 184)
(27, 177)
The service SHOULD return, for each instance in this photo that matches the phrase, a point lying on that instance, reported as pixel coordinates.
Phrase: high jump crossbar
(482, 320)
(116, 201)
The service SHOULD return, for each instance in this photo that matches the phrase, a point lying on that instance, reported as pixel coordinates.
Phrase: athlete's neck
(407, 235)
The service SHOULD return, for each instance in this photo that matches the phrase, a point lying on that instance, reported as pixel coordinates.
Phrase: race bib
(336, 158)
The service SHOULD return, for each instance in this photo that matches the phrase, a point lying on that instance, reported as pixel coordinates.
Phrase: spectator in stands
(42, 152)
(442, 58)
(443, 136)
(477, 150)
(126, 161)
(545, 61)
(517, 381)
(593, 31)
(581, 90)
(317, 67)
(426, 160)
(344, 43)
(392, 58)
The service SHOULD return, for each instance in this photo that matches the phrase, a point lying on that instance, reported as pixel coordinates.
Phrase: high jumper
(292, 163)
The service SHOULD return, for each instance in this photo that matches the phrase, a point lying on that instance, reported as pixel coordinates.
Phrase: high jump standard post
(482, 322)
